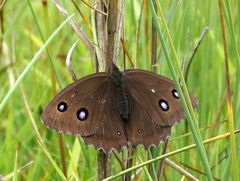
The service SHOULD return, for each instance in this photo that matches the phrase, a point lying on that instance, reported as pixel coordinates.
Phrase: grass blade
(31, 63)
(185, 100)
(229, 98)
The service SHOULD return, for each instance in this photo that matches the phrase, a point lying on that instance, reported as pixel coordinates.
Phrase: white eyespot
(175, 93)
(62, 106)
(82, 114)
(153, 90)
(163, 105)
(73, 94)
(118, 133)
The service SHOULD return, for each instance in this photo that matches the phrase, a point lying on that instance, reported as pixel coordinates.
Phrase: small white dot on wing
(153, 90)
(102, 101)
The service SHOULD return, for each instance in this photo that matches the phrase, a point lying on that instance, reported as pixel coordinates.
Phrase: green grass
(29, 151)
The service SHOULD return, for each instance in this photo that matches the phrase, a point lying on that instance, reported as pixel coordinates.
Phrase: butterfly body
(110, 110)
(116, 79)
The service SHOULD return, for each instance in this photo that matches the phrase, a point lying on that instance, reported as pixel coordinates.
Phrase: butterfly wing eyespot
(62, 107)
(163, 105)
(62, 113)
(86, 108)
(82, 114)
(154, 107)
(157, 95)
(175, 93)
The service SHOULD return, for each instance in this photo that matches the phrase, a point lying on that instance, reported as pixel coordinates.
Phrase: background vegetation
(25, 25)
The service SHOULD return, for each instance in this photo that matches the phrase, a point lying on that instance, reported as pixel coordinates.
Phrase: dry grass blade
(125, 50)
(2, 4)
(179, 169)
(76, 28)
(119, 32)
(95, 9)
(197, 171)
(100, 24)
(68, 62)
(160, 170)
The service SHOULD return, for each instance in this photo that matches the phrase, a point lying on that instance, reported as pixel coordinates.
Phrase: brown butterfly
(111, 110)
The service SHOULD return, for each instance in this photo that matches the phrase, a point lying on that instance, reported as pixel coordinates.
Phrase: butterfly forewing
(156, 94)
(78, 108)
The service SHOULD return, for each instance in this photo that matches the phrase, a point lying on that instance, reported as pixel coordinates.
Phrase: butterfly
(111, 110)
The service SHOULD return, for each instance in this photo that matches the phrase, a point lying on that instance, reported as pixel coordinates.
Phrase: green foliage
(29, 151)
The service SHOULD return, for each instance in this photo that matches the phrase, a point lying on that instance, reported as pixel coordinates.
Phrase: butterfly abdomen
(116, 78)
(122, 104)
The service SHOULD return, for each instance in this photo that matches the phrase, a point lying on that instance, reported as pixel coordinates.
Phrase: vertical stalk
(1, 26)
(229, 98)
(111, 31)
(154, 69)
(130, 153)
(160, 170)
(100, 28)
(100, 23)
(103, 157)
(154, 45)
(183, 93)
(102, 165)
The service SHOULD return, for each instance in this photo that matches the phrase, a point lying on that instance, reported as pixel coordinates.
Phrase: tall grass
(29, 151)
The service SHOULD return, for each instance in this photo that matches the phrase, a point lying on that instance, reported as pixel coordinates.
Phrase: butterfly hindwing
(111, 132)
(141, 129)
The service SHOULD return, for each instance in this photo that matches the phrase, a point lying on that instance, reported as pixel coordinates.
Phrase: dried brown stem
(111, 44)
(102, 165)
(179, 169)
(129, 162)
(61, 145)
(100, 23)
(154, 45)
(111, 31)
(127, 53)
(160, 170)
(76, 28)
